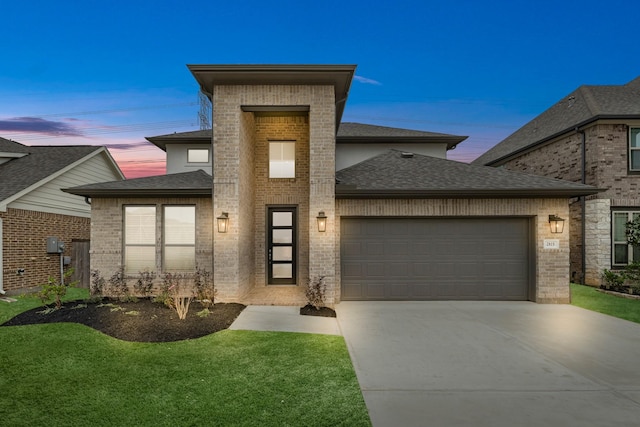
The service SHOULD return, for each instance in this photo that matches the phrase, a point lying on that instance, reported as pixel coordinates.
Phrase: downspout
(583, 205)
(2, 291)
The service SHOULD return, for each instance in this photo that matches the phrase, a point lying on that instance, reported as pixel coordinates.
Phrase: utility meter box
(54, 245)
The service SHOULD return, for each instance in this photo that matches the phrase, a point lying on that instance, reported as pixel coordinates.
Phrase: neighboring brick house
(32, 207)
(296, 195)
(591, 136)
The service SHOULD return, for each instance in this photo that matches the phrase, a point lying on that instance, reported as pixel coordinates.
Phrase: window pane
(636, 253)
(282, 253)
(619, 227)
(198, 155)
(282, 158)
(634, 138)
(179, 258)
(140, 225)
(621, 254)
(282, 271)
(282, 219)
(282, 236)
(180, 225)
(635, 160)
(139, 258)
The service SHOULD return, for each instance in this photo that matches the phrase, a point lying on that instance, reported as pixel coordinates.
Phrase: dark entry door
(281, 245)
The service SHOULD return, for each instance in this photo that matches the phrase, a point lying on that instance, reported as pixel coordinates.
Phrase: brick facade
(551, 265)
(241, 186)
(606, 166)
(24, 240)
(107, 235)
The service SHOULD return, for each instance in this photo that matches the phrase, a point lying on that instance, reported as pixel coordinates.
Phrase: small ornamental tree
(56, 289)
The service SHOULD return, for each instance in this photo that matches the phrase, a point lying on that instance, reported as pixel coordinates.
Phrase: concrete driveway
(493, 364)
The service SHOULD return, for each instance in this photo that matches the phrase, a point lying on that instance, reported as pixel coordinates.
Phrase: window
(139, 238)
(282, 159)
(198, 155)
(634, 149)
(623, 253)
(179, 238)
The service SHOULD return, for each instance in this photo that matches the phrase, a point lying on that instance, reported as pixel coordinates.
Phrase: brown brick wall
(107, 233)
(24, 240)
(282, 191)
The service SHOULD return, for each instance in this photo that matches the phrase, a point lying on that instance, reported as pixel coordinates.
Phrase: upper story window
(622, 252)
(198, 155)
(634, 149)
(282, 159)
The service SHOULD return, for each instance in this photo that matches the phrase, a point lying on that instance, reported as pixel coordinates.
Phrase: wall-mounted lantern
(556, 223)
(223, 222)
(322, 222)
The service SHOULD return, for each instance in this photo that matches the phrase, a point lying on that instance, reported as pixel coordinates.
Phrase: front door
(281, 245)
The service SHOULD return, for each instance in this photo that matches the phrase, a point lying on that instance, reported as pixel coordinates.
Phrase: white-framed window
(623, 253)
(198, 155)
(634, 149)
(139, 238)
(179, 229)
(282, 159)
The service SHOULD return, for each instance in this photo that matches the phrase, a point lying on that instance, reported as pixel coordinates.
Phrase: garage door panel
(435, 258)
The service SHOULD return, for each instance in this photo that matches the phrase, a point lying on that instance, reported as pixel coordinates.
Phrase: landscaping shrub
(204, 287)
(179, 293)
(144, 283)
(56, 289)
(315, 292)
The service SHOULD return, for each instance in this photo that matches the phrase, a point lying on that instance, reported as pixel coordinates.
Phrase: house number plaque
(551, 243)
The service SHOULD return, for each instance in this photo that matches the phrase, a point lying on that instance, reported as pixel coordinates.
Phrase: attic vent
(406, 155)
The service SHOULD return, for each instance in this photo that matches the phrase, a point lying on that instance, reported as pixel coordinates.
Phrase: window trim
(181, 245)
(125, 245)
(189, 150)
(282, 141)
(630, 212)
(631, 149)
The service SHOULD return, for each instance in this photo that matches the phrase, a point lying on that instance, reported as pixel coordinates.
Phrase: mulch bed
(309, 310)
(141, 321)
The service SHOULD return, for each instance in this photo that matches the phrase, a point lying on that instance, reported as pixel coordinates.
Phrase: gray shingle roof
(585, 104)
(197, 183)
(391, 174)
(41, 161)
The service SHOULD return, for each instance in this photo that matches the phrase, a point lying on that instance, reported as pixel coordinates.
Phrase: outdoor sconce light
(223, 222)
(556, 223)
(322, 222)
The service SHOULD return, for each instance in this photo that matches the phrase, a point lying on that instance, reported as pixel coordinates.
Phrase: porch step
(276, 295)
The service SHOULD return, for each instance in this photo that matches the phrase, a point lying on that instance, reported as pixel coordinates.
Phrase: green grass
(589, 298)
(69, 374)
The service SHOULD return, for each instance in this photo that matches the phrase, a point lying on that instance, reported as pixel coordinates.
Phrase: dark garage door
(435, 258)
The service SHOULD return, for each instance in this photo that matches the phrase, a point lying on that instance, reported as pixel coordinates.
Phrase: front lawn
(588, 297)
(70, 374)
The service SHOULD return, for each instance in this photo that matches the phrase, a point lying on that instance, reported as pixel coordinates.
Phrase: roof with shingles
(396, 174)
(347, 132)
(38, 164)
(584, 105)
(184, 184)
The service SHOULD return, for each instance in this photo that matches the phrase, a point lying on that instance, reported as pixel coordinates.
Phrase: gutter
(583, 206)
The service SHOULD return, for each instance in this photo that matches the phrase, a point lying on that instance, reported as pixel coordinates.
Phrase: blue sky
(113, 72)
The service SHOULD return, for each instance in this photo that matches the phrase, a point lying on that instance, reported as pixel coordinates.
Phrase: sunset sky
(112, 72)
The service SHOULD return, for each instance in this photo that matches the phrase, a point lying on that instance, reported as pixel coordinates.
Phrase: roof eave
(350, 193)
(513, 154)
(451, 141)
(146, 193)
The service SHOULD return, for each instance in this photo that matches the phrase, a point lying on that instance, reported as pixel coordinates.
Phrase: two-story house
(591, 136)
(280, 192)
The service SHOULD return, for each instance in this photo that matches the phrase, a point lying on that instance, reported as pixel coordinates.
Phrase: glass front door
(281, 245)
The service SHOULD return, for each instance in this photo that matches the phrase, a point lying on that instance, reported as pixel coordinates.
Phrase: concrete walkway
(493, 364)
(284, 319)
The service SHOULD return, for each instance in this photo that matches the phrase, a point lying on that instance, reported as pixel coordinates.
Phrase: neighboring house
(390, 224)
(590, 136)
(32, 207)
